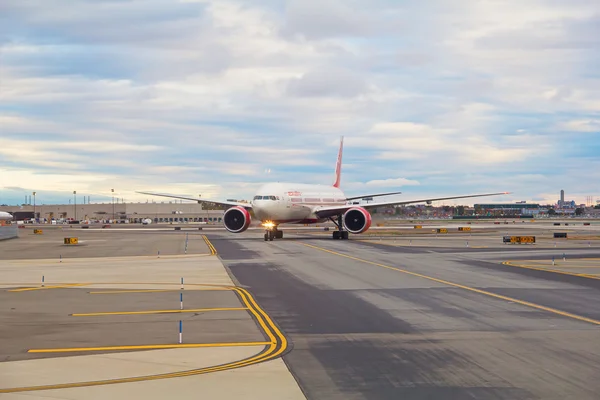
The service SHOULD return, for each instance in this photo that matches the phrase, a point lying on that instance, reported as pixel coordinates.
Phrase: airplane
(4, 216)
(296, 203)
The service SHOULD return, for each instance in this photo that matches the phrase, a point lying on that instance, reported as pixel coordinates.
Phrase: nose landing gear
(273, 233)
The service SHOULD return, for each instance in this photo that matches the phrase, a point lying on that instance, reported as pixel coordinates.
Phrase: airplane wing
(225, 203)
(372, 195)
(330, 211)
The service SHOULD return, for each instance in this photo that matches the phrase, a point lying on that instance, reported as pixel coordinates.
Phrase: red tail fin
(338, 165)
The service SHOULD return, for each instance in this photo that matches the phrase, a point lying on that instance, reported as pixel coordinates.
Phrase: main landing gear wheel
(340, 233)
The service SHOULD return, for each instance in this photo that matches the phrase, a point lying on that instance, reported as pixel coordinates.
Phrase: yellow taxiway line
(156, 290)
(402, 243)
(276, 346)
(148, 347)
(563, 266)
(165, 284)
(556, 271)
(212, 249)
(471, 289)
(159, 311)
(49, 287)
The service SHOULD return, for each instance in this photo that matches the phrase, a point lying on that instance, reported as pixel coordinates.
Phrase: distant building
(131, 212)
(565, 204)
(511, 209)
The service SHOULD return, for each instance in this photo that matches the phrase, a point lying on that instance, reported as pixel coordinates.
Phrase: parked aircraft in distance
(297, 203)
(4, 216)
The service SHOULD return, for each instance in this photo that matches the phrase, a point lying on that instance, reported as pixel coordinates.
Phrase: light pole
(34, 217)
(113, 203)
(75, 203)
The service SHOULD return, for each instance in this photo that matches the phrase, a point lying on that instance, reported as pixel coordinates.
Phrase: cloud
(581, 125)
(189, 95)
(395, 182)
(327, 82)
(327, 18)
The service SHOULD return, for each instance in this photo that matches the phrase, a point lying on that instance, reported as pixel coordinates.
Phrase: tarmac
(92, 325)
(370, 319)
(406, 315)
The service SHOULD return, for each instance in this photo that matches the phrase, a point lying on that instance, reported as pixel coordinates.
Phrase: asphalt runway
(369, 320)
(410, 316)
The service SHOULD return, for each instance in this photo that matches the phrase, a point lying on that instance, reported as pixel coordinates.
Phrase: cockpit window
(257, 197)
(273, 198)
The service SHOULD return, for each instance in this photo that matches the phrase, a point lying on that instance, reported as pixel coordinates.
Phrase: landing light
(268, 224)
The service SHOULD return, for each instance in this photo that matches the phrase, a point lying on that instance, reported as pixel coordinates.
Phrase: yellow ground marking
(566, 266)
(148, 347)
(50, 287)
(58, 285)
(157, 290)
(556, 271)
(212, 249)
(119, 258)
(404, 244)
(159, 311)
(212, 285)
(471, 289)
(277, 345)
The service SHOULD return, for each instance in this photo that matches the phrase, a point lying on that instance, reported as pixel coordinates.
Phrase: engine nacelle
(236, 219)
(357, 220)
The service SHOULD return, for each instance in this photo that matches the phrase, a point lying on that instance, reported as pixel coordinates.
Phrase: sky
(433, 98)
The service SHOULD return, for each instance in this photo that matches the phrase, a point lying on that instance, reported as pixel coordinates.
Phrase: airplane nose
(259, 210)
(262, 211)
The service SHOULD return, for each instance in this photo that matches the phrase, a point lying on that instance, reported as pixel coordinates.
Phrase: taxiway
(385, 316)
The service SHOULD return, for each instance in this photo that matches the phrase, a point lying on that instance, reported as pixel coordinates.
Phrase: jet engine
(357, 220)
(236, 219)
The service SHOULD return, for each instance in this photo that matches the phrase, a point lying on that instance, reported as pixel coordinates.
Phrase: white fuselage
(294, 202)
(5, 216)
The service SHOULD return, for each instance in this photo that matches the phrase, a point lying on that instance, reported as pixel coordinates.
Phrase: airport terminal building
(510, 209)
(160, 212)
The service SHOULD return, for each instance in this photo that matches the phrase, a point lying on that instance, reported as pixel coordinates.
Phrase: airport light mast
(75, 203)
(34, 217)
(113, 203)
